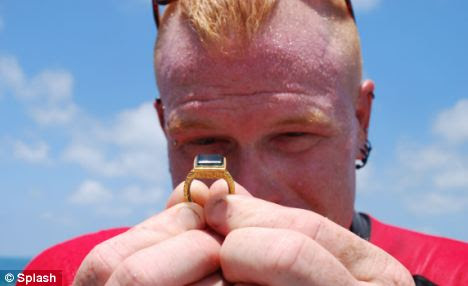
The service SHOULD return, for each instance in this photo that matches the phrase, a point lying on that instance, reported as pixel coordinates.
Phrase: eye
(203, 141)
(294, 134)
(294, 142)
(207, 145)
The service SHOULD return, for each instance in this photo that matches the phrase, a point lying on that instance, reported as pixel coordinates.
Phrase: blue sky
(80, 148)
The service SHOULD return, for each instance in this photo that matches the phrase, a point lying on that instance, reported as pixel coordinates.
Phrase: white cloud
(435, 174)
(131, 145)
(115, 203)
(34, 153)
(91, 158)
(418, 164)
(452, 124)
(438, 174)
(365, 5)
(136, 127)
(136, 195)
(438, 204)
(423, 158)
(11, 74)
(114, 211)
(91, 192)
(438, 165)
(59, 219)
(455, 177)
(47, 96)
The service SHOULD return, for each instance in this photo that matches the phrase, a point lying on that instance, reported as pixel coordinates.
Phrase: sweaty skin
(287, 123)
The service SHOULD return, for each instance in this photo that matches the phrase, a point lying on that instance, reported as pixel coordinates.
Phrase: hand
(269, 244)
(171, 248)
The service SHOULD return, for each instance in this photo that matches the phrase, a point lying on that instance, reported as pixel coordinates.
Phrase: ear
(363, 112)
(158, 105)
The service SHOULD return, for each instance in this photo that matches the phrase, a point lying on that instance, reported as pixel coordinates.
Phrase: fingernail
(189, 217)
(216, 211)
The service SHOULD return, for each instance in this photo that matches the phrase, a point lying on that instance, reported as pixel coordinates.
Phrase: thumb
(220, 188)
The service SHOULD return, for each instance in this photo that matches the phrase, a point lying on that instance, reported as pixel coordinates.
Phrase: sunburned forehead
(296, 51)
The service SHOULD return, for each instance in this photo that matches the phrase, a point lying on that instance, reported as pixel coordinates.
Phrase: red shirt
(442, 261)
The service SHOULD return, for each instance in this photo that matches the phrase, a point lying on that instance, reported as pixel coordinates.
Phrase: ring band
(211, 166)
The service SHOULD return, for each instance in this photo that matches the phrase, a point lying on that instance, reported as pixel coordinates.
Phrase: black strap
(422, 281)
(361, 225)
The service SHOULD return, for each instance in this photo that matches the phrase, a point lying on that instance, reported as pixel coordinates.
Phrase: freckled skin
(236, 101)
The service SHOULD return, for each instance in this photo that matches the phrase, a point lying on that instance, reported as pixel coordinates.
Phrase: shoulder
(439, 259)
(67, 256)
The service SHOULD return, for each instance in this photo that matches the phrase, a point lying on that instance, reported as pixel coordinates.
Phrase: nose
(249, 169)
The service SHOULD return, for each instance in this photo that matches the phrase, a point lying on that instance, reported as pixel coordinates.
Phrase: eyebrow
(312, 116)
(180, 125)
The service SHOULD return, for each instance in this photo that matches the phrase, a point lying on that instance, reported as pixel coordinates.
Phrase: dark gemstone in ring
(209, 160)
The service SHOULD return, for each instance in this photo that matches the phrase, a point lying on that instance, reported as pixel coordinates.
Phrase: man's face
(281, 112)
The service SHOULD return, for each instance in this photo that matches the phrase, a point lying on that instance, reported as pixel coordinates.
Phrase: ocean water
(13, 263)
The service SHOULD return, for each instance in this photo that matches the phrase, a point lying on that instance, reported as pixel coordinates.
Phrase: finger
(105, 257)
(201, 193)
(220, 188)
(279, 257)
(198, 190)
(228, 213)
(181, 260)
(215, 279)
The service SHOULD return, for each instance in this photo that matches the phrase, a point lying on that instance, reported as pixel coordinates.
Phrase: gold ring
(211, 166)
